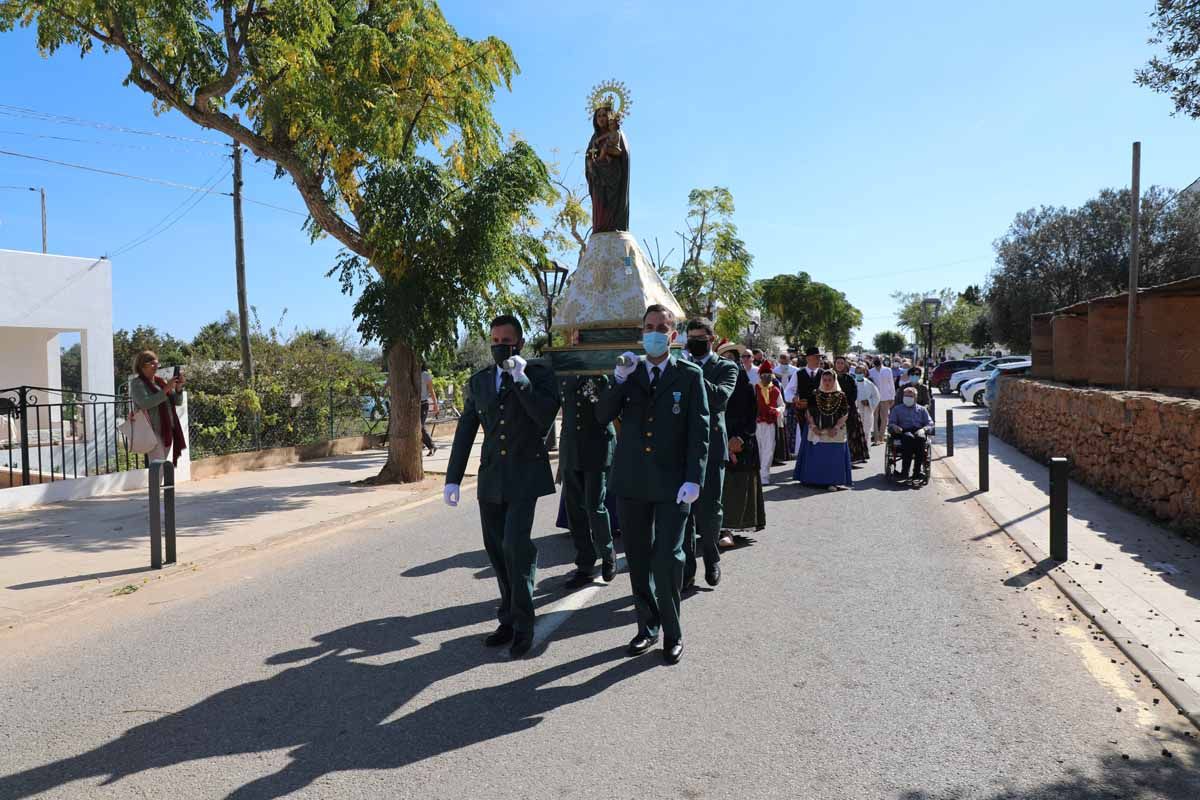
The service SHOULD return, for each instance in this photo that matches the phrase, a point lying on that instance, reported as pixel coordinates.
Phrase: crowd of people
(671, 452)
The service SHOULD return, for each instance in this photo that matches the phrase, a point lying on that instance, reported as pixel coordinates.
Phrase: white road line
(548, 621)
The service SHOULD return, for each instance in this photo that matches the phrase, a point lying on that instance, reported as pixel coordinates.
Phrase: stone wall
(1142, 447)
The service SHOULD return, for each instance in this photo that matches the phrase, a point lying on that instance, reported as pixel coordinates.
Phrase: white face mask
(910, 401)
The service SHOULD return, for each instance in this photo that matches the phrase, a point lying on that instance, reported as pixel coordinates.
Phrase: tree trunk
(404, 464)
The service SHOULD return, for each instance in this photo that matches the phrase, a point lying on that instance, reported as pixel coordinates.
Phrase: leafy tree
(955, 318)
(981, 333)
(127, 344)
(889, 342)
(219, 340)
(339, 94)
(71, 367)
(1052, 257)
(809, 311)
(713, 279)
(1176, 73)
(460, 249)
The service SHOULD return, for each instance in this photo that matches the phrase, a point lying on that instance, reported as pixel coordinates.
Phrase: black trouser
(911, 447)
(653, 536)
(591, 530)
(704, 522)
(506, 537)
(426, 439)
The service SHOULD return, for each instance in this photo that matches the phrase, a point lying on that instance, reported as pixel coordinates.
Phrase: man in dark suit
(515, 402)
(720, 379)
(585, 452)
(658, 469)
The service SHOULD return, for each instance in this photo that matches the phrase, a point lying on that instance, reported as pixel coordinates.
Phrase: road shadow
(1119, 779)
(553, 550)
(335, 712)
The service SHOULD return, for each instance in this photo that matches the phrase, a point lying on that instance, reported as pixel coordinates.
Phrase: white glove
(621, 373)
(518, 370)
(921, 433)
(688, 493)
(450, 494)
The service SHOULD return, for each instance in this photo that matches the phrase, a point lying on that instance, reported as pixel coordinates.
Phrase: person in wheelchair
(910, 427)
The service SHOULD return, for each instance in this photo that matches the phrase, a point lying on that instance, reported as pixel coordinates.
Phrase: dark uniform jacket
(514, 464)
(664, 436)
(586, 443)
(720, 379)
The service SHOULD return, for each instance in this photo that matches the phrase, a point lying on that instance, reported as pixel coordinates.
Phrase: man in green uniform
(515, 402)
(657, 473)
(584, 455)
(720, 379)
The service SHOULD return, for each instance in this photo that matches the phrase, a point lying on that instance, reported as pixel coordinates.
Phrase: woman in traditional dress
(742, 496)
(860, 451)
(827, 457)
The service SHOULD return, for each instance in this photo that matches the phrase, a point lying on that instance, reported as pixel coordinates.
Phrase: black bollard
(168, 491)
(156, 554)
(949, 431)
(1058, 508)
(983, 458)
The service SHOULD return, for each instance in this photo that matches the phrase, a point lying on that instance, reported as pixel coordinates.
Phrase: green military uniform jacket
(586, 443)
(663, 441)
(514, 464)
(720, 379)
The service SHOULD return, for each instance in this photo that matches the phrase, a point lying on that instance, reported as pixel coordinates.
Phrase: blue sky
(878, 146)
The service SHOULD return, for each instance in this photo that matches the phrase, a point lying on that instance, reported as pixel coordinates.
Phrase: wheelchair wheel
(888, 465)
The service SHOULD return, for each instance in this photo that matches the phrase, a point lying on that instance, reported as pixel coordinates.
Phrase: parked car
(972, 390)
(982, 371)
(1014, 368)
(940, 377)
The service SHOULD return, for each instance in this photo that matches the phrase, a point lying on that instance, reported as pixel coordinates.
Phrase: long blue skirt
(824, 464)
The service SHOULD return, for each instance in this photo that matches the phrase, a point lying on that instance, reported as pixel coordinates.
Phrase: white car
(973, 390)
(982, 371)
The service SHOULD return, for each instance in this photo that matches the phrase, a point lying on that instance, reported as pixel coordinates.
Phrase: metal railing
(51, 435)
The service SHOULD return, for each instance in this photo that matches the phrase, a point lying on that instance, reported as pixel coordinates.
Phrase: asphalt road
(875, 643)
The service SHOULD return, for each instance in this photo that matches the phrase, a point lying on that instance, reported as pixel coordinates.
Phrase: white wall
(55, 293)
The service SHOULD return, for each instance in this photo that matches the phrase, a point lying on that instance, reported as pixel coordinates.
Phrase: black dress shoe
(672, 652)
(608, 571)
(641, 644)
(502, 635)
(688, 584)
(522, 642)
(579, 580)
(712, 575)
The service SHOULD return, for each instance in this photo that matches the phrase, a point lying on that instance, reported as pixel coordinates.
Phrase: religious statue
(607, 158)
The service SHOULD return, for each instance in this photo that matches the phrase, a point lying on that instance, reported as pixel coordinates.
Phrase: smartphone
(176, 373)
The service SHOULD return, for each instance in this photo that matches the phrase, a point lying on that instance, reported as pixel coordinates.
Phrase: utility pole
(42, 190)
(1131, 319)
(240, 257)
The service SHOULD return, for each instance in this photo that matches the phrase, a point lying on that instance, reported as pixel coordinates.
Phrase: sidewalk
(58, 555)
(1143, 580)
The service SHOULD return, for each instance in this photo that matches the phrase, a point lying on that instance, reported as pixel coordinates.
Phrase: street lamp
(930, 308)
(42, 191)
(551, 279)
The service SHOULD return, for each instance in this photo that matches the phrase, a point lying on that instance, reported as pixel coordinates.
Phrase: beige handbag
(139, 435)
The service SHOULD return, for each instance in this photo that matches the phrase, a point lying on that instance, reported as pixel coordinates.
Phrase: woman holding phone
(158, 398)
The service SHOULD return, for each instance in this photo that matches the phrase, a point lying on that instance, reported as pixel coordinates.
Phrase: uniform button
(502, 436)
(503, 421)
(649, 449)
(501, 406)
(650, 419)
(649, 434)
(503, 452)
(578, 427)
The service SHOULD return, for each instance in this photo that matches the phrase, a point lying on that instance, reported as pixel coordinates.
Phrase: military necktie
(654, 372)
(506, 382)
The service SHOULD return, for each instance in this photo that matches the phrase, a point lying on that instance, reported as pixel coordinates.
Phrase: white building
(43, 296)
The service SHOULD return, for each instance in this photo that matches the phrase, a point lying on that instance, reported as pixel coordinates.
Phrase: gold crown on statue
(613, 95)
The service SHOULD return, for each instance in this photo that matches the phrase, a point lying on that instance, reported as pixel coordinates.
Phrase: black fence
(51, 435)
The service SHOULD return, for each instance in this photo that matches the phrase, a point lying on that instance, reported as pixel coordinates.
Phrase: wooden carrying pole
(1131, 319)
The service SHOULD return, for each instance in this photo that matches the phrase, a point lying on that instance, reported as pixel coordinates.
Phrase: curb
(1165, 679)
(295, 536)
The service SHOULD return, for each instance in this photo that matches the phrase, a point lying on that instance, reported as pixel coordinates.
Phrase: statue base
(600, 312)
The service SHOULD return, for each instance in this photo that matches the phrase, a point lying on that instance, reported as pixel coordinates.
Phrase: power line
(100, 142)
(159, 227)
(157, 181)
(63, 119)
